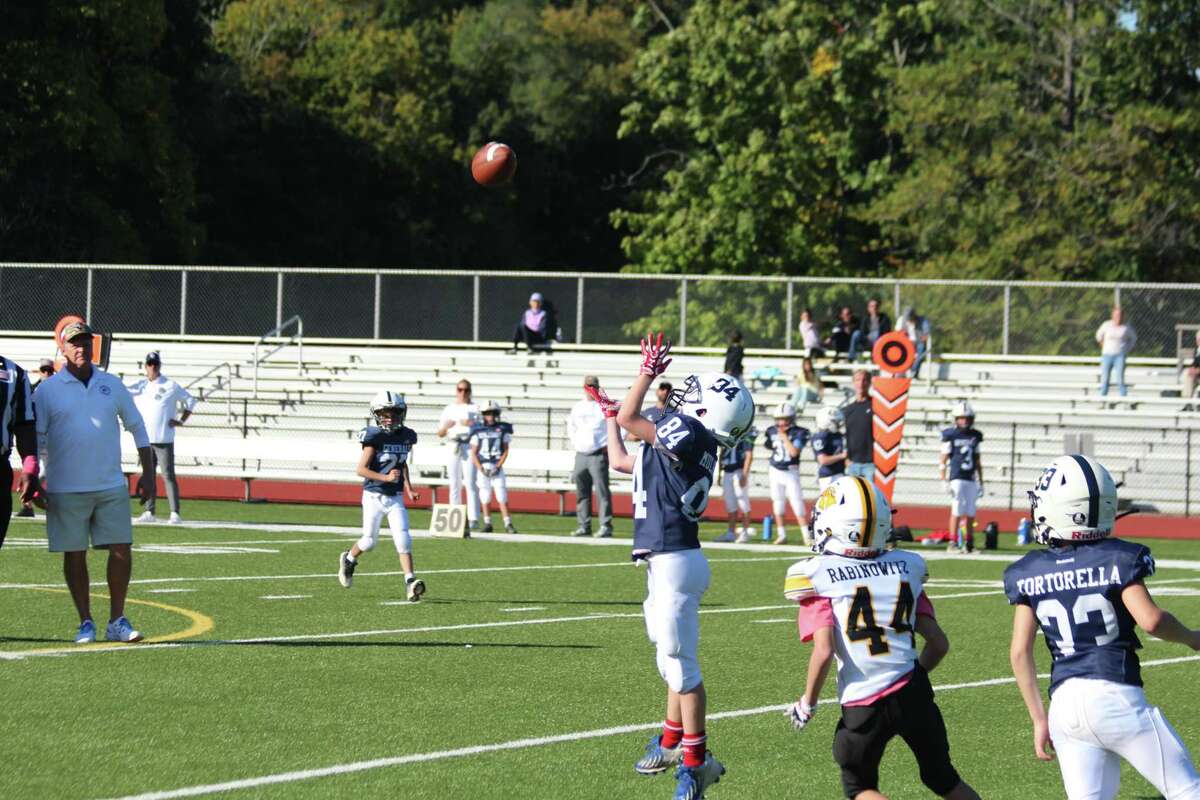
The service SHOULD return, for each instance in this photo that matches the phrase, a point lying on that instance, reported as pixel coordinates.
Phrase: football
(494, 164)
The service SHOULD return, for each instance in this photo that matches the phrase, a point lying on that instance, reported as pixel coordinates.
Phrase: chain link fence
(989, 317)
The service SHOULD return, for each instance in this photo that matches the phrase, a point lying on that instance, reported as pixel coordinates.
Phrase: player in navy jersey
(829, 446)
(672, 474)
(961, 472)
(383, 467)
(489, 450)
(786, 441)
(1087, 594)
(735, 486)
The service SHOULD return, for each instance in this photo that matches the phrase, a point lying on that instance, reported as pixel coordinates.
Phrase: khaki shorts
(72, 516)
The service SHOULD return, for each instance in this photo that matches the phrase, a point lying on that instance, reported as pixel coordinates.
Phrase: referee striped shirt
(16, 400)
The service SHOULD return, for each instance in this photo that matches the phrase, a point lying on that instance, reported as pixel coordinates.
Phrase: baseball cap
(535, 296)
(591, 380)
(152, 358)
(46, 363)
(75, 329)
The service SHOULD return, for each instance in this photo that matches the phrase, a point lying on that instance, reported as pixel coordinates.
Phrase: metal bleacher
(301, 422)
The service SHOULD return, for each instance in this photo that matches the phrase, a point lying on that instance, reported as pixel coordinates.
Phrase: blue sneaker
(87, 632)
(658, 758)
(690, 782)
(120, 630)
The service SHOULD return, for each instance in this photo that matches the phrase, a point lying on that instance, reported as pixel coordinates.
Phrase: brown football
(494, 164)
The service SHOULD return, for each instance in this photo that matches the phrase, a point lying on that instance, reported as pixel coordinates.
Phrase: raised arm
(654, 363)
(618, 458)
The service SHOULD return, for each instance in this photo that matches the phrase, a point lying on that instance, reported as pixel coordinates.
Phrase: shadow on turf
(30, 639)
(460, 645)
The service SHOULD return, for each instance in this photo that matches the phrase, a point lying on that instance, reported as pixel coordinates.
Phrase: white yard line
(525, 608)
(516, 744)
(168, 591)
(285, 597)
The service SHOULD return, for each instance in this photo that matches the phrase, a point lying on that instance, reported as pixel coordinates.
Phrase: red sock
(694, 747)
(672, 733)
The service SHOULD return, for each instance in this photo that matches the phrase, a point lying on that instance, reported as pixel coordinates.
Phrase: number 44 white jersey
(873, 604)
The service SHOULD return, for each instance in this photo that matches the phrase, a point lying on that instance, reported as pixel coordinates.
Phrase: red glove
(609, 406)
(654, 355)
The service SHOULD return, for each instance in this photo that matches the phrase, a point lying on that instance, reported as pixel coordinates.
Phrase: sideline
(520, 744)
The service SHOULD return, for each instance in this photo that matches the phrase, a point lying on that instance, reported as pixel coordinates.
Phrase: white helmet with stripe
(388, 401)
(1074, 500)
(829, 418)
(721, 402)
(851, 518)
(962, 409)
(784, 411)
(490, 407)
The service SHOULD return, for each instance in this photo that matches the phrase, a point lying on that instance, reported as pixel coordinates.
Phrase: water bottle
(766, 529)
(1023, 531)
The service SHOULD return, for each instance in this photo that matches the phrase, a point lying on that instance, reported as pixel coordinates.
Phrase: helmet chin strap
(1127, 512)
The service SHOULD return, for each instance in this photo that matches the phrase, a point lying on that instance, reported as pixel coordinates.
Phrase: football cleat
(727, 536)
(581, 532)
(605, 533)
(346, 569)
(781, 539)
(690, 782)
(175, 519)
(146, 516)
(87, 632)
(658, 758)
(487, 527)
(510, 528)
(120, 630)
(744, 536)
(415, 588)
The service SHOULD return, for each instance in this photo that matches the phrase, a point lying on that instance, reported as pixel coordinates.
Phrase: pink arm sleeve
(815, 613)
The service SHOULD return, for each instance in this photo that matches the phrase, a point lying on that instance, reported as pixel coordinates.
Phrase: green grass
(114, 724)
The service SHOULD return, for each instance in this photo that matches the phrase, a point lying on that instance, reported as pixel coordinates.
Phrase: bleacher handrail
(297, 337)
(227, 386)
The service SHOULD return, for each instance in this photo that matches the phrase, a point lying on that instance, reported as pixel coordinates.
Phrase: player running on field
(672, 474)
(735, 484)
(490, 441)
(964, 479)
(384, 469)
(864, 605)
(1086, 592)
(829, 446)
(786, 441)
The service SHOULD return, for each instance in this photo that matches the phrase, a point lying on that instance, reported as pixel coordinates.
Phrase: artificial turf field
(525, 673)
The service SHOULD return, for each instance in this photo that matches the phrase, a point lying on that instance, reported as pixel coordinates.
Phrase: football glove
(490, 470)
(654, 355)
(609, 406)
(800, 713)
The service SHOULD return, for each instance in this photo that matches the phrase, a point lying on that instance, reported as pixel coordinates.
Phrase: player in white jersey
(864, 605)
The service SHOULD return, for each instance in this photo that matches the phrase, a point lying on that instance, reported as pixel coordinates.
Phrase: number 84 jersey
(873, 604)
(1075, 593)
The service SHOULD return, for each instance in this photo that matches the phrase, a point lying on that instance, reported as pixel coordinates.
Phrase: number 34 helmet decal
(720, 402)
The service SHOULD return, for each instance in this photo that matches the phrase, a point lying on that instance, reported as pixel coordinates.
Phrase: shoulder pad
(798, 584)
(367, 435)
(506, 427)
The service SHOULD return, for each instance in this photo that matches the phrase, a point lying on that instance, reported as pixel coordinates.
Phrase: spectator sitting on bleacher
(809, 335)
(536, 327)
(1116, 339)
(1191, 376)
(875, 324)
(808, 387)
(839, 337)
(916, 328)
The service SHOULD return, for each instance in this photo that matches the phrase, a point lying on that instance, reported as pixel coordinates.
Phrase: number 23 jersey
(874, 605)
(1075, 593)
(671, 479)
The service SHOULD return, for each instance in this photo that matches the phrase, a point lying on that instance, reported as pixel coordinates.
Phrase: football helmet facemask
(829, 418)
(1074, 500)
(720, 402)
(388, 409)
(963, 409)
(490, 407)
(851, 518)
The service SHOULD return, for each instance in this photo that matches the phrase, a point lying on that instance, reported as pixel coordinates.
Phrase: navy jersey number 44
(1075, 593)
(671, 480)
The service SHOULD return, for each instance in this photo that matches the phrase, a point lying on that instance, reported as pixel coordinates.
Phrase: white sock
(781, 530)
(351, 559)
(508, 520)
(409, 577)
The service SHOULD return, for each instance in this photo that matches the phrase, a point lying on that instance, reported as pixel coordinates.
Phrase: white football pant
(1095, 723)
(461, 467)
(785, 485)
(486, 486)
(376, 506)
(965, 494)
(737, 497)
(675, 582)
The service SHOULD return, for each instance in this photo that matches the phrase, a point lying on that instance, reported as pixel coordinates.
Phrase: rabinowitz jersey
(779, 454)
(1075, 593)
(491, 440)
(826, 443)
(671, 479)
(874, 604)
(391, 451)
(962, 445)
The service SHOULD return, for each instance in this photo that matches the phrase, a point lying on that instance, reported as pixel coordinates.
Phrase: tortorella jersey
(491, 440)
(775, 442)
(962, 445)
(874, 603)
(391, 452)
(826, 443)
(1075, 592)
(671, 479)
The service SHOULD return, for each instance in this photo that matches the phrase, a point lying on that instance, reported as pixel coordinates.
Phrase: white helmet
(829, 418)
(851, 518)
(1074, 500)
(962, 409)
(784, 410)
(490, 407)
(721, 402)
(385, 400)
